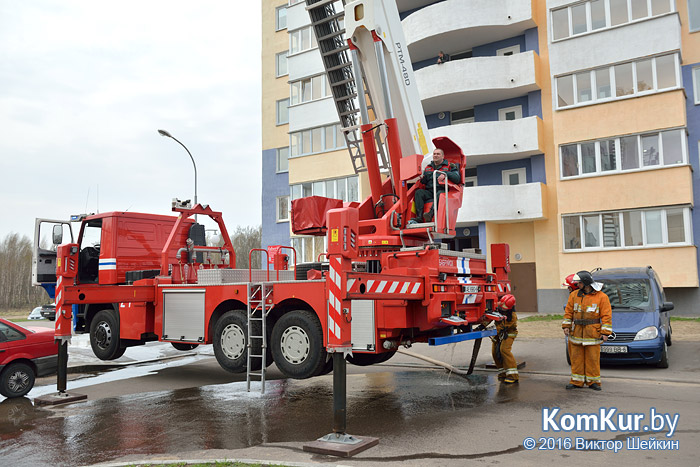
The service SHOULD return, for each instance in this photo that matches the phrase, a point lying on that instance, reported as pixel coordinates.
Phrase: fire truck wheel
(327, 367)
(367, 359)
(297, 345)
(183, 347)
(231, 340)
(16, 380)
(104, 336)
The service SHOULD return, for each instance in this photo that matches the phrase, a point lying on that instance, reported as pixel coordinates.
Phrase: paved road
(188, 408)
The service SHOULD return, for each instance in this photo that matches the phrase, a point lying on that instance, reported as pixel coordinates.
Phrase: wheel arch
(218, 312)
(292, 304)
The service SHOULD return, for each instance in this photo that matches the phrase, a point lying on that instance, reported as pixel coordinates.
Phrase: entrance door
(524, 283)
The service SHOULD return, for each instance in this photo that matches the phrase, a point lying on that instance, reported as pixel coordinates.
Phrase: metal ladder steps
(318, 3)
(331, 35)
(335, 51)
(346, 97)
(328, 19)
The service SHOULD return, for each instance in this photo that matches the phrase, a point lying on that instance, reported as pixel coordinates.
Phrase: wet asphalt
(422, 415)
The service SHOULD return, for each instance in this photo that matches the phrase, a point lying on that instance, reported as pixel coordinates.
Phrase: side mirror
(57, 234)
(667, 306)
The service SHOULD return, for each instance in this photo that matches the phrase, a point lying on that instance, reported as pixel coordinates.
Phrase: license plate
(613, 348)
(470, 289)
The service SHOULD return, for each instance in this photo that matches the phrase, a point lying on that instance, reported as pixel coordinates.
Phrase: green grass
(542, 318)
(680, 318)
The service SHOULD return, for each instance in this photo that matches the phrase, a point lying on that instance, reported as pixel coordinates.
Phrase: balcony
(464, 24)
(297, 16)
(461, 84)
(504, 203)
(312, 114)
(500, 141)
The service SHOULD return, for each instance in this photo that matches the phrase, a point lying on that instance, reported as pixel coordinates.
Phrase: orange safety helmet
(570, 282)
(508, 301)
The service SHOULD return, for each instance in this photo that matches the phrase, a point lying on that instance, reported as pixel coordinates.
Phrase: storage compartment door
(363, 327)
(183, 315)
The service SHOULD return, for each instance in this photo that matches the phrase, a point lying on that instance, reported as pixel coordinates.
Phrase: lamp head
(165, 133)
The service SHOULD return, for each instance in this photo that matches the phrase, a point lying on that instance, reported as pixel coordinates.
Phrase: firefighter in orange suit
(502, 343)
(587, 323)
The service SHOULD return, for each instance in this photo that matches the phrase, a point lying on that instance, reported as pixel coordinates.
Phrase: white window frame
(277, 64)
(322, 183)
(690, 28)
(608, 19)
(512, 50)
(471, 179)
(324, 89)
(518, 109)
(613, 85)
(313, 43)
(277, 160)
(277, 17)
(461, 120)
(339, 141)
(618, 159)
(520, 171)
(687, 228)
(696, 88)
(277, 112)
(278, 214)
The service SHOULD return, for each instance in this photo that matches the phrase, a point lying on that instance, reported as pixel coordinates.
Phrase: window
(308, 89)
(627, 229)
(696, 85)
(282, 111)
(514, 49)
(281, 14)
(630, 79)
(10, 333)
(514, 176)
(470, 181)
(345, 189)
(584, 17)
(301, 40)
(510, 113)
(694, 15)
(282, 209)
(316, 140)
(282, 160)
(463, 116)
(647, 151)
(309, 249)
(281, 64)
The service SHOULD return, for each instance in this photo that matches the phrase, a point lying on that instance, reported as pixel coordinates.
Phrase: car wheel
(367, 359)
(16, 380)
(231, 342)
(668, 335)
(184, 347)
(297, 345)
(104, 336)
(663, 363)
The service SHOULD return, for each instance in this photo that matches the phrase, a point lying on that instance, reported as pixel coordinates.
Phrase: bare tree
(16, 290)
(245, 239)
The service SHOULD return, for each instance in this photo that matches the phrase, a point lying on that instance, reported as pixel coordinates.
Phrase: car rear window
(627, 292)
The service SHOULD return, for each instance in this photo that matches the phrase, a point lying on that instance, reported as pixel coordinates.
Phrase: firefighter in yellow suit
(502, 343)
(587, 323)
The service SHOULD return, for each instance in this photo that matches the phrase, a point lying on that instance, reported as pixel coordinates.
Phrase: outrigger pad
(341, 445)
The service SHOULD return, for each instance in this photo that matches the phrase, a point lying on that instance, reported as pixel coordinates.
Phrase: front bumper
(639, 352)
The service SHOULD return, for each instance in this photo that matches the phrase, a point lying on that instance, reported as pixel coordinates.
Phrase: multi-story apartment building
(579, 121)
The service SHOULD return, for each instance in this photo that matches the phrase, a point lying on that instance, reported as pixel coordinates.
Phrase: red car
(25, 353)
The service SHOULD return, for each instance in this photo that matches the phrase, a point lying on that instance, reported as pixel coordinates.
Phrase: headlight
(647, 333)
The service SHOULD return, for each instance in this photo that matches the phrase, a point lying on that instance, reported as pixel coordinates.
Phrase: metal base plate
(341, 445)
(59, 398)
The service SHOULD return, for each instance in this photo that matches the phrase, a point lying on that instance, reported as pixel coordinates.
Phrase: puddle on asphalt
(226, 416)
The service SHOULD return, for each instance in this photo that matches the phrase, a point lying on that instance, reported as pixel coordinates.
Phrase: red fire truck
(385, 283)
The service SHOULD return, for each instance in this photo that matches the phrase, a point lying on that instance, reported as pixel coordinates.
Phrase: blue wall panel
(532, 41)
(489, 50)
(693, 120)
(490, 174)
(274, 185)
(489, 112)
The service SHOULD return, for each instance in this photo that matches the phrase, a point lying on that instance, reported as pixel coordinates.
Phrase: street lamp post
(166, 134)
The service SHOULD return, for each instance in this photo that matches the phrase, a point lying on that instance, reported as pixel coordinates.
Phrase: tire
(104, 336)
(16, 380)
(231, 342)
(184, 347)
(367, 359)
(669, 331)
(327, 367)
(297, 345)
(303, 268)
(663, 363)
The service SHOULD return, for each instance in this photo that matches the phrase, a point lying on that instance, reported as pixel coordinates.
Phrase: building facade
(579, 121)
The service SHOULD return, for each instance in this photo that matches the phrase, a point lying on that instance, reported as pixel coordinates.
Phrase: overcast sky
(85, 85)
